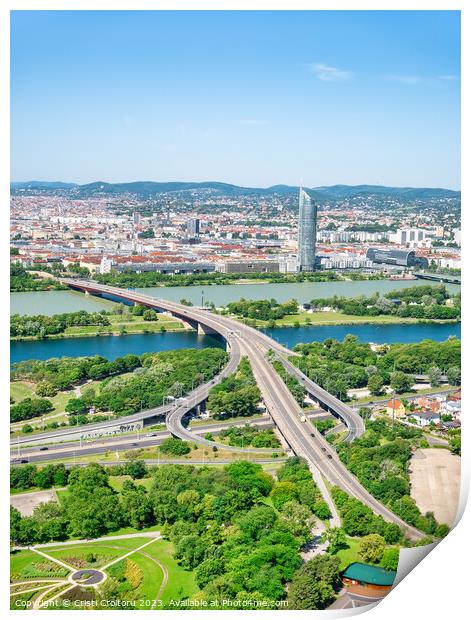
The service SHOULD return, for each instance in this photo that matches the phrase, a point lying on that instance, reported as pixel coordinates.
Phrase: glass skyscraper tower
(307, 226)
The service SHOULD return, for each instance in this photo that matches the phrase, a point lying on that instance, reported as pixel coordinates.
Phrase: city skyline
(168, 95)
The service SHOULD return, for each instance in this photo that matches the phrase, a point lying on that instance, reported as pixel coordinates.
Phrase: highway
(139, 439)
(303, 438)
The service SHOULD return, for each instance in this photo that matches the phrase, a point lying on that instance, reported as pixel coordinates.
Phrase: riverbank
(121, 325)
(314, 319)
(54, 302)
(34, 281)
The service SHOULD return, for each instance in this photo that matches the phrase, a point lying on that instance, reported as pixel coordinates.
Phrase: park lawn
(24, 491)
(332, 318)
(347, 556)
(20, 560)
(152, 578)
(19, 390)
(212, 420)
(104, 553)
(116, 482)
(132, 530)
(129, 323)
(22, 601)
(62, 494)
(181, 583)
(170, 326)
(119, 319)
(110, 550)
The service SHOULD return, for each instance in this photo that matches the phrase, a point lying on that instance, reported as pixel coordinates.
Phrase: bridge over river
(302, 438)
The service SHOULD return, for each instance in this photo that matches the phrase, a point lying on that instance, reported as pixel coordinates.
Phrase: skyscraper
(193, 227)
(307, 225)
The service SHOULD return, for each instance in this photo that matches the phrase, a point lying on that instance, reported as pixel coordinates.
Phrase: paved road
(305, 440)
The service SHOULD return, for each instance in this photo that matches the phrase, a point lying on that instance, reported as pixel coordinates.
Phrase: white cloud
(330, 74)
(405, 79)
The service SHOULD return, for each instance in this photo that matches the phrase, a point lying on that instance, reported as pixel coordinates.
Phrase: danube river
(115, 346)
(53, 302)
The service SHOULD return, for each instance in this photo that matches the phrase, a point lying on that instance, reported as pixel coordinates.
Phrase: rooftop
(369, 574)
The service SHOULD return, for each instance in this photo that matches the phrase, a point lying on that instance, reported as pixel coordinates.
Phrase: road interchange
(303, 439)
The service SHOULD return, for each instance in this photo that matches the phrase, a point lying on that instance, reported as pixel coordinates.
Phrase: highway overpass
(301, 437)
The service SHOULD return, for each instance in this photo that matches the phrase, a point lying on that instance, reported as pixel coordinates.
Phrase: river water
(115, 346)
(53, 302)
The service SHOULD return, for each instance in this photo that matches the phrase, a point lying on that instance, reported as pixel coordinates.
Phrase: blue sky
(254, 98)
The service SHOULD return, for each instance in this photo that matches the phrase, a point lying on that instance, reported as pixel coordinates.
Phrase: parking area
(27, 502)
(435, 482)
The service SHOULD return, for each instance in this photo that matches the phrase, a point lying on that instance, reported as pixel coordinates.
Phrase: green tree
(400, 381)
(365, 412)
(136, 505)
(454, 375)
(434, 375)
(136, 469)
(321, 510)
(174, 446)
(375, 384)
(314, 584)
(371, 548)
(298, 519)
(336, 538)
(283, 492)
(390, 558)
(76, 406)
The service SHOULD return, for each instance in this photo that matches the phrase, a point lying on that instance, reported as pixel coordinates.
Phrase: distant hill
(147, 189)
(409, 193)
(42, 185)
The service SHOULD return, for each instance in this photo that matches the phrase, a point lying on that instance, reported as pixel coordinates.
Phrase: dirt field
(27, 502)
(435, 483)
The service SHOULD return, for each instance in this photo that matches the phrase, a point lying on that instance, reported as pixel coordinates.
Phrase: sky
(252, 98)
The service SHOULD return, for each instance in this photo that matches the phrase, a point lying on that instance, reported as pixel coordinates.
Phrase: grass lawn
(334, 318)
(104, 553)
(128, 324)
(347, 556)
(200, 454)
(246, 419)
(19, 390)
(23, 561)
(116, 482)
(109, 550)
(152, 577)
(22, 601)
(132, 530)
(181, 583)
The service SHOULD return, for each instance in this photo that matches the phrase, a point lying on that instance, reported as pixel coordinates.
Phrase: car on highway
(43, 448)
(329, 456)
(24, 461)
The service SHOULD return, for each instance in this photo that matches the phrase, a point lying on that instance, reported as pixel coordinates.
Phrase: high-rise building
(193, 227)
(307, 225)
(136, 218)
